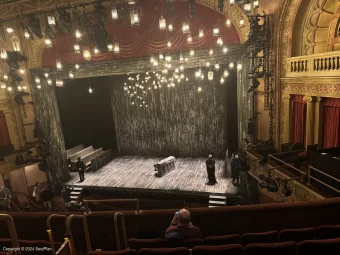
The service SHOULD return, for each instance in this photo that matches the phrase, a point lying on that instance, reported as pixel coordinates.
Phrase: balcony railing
(319, 65)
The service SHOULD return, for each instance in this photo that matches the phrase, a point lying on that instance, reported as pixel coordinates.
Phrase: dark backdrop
(86, 118)
(178, 121)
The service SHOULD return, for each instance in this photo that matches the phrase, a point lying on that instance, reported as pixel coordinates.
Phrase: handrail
(62, 247)
(329, 176)
(117, 230)
(69, 232)
(286, 152)
(12, 232)
(296, 169)
(49, 229)
(86, 202)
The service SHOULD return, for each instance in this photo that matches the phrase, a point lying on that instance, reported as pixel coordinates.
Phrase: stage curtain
(299, 119)
(331, 130)
(147, 39)
(4, 135)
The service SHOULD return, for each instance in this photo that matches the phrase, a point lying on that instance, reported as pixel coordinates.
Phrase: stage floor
(129, 172)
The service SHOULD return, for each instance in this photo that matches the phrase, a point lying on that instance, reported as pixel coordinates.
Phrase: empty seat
(297, 235)
(165, 251)
(264, 237)
(317, 247)
(230, 249)
(138, 244)
(189, 243)
(327, 232)
(285, 248)
(222, 240)
(124, 252)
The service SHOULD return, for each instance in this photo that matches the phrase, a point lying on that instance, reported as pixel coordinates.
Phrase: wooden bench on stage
(74, 150)
(164, 166)
(82, 153)
(89, 157)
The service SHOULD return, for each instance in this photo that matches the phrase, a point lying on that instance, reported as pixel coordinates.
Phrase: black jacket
(80, 165)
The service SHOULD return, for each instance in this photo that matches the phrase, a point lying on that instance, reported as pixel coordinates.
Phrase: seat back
(297, 235)
(327, 232)
(165, 251)
(285, 248)
(222, 240)
(230, 249)
(138, 244)
(122, 252)
(317, 247)
(188, 243)
(264, 237)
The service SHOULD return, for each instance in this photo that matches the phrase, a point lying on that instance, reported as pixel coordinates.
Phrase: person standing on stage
(81, 169)
(210, 162)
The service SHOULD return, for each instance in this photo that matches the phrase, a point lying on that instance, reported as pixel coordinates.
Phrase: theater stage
(131, 173)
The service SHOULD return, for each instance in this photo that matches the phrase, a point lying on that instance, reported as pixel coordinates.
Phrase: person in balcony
(181, 227)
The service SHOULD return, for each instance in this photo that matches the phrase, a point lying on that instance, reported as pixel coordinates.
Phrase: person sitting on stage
(81, 169)
(210, 162)
(181, 227)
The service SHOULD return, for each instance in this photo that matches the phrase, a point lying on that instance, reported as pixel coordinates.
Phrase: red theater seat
(124, 252)
(264, 237)
(230, 249)
(286, 248)
(319, 247)
(222, 240)
(189, 243)
(138, 244)
(327, 232)
(297, 235)
(165, 251)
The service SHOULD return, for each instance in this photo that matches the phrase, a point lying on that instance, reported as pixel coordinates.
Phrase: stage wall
(179, 121)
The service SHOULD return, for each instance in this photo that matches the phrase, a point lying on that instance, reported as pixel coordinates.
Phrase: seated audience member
(181, 227)
(46, 196)
(66, 195)
(35, 193)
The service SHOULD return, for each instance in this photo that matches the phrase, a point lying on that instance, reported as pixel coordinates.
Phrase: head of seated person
(183, 218)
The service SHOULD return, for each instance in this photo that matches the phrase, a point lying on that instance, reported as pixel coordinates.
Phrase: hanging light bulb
(9, 30)
(189, 39)
(170, 27)
(49, 81)
(242, 22)
(78, 34)
(110, 46)
(256, 3)
(46, 75)
(96, 50)
(228, 22)
(216, 31)
(26, 34)
(162, 23)
(9, 88)
(225, 49)
(217, 67)
(161, 56)
(114, 13)
(192, 53)
(210, 75)
(225, 73)
(169, 66)
(71, 75)
(76, 48)
(211, 52)
(168, 58)
(231, 65)
(181, 67)
(199, 89)
(16, 43)
(208, 64)
(152, 59)
(51, 20)
(77, 66)
(116, 48)
(185, 28)
(5, 77)
(48, 43)
(21, 71)
(155, 63)
(239, 66)
(219, 41)
(222, 80)
(186, 59)
(3, 53)
(38, 86)
(3, 85)
(59, 65)
(231, 2)
(19, 88)
(169, 44)
(247, 7)
(181, 59)
(24, 87)
(200, 33)
(134, 18)
(90, 90)
(37, 79)
(198, 73)
(176, 70)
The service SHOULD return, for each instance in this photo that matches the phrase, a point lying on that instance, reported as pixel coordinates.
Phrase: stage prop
(74, 150)
(164, 166)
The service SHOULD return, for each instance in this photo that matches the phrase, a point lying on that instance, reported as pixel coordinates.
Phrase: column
(318, 123)
(310, 119)
(287, 117)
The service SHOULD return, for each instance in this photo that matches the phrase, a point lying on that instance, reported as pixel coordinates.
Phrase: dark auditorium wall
(86, 118)
(179, 121)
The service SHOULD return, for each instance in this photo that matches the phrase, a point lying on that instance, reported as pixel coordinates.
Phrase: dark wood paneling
(179, 121)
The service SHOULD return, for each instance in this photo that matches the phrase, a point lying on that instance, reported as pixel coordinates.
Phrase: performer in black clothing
(210, 162)
(81, 169)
